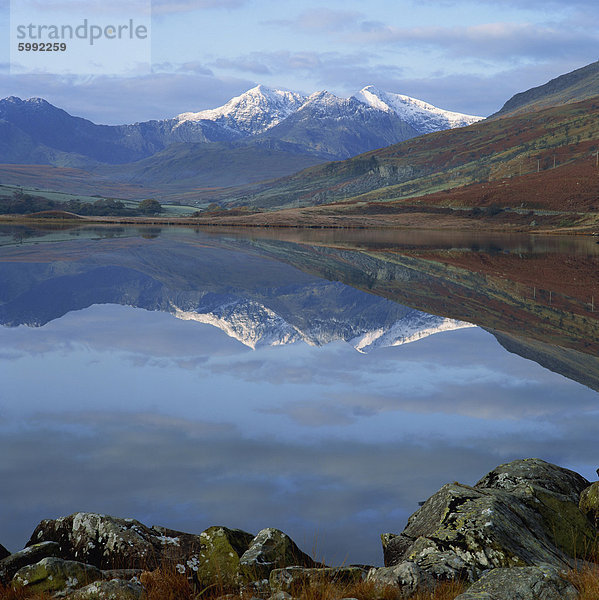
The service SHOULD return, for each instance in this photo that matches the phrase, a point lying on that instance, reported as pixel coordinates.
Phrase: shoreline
(295, 219)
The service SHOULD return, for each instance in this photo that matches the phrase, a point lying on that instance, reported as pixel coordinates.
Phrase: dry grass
(586, 581)
(369, 591)
(165, 583)
(8, 593)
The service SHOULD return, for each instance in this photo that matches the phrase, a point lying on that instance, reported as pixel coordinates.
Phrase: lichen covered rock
(29, 556)
(271, 549)
(55, 575)
(521, 583)
(589, 503)
(115, 589)
(109, 542)
(538, 473)
(294, 579)
(521, 514)
(406, 576)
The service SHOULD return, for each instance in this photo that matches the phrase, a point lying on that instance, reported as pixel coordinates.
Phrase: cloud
(320, 19)
(325, 69)
(161, 7)
(118, 100)
(248, 65)
(497, 41)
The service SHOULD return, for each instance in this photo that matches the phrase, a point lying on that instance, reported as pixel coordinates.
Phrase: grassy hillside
(489, 151)
(571, 87)
(213, 165)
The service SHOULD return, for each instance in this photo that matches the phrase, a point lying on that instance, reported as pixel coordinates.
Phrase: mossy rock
(521, 514)
(567, 525)
(589, 503)
(218, 559)
(55, 575)
(29, 556)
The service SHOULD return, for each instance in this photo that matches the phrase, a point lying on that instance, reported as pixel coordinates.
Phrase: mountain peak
(252, 112)
(423, 116)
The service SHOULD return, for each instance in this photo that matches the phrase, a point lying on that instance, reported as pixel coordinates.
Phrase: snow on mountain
(414, 326)
(247, 321)
(421, 115)
(253, 112)
(255, 325)
(261, 108)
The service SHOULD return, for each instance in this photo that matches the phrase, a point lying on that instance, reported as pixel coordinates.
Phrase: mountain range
(234, 287)
(272, 149)
(261, 134)
(537, 152)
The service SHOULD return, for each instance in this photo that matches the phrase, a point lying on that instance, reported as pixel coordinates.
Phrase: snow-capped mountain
(251, 113)
(256, 325)
(262, 108)
(321, 126)
(424, 117)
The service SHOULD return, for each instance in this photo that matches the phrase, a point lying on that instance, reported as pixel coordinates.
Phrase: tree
(149, 206)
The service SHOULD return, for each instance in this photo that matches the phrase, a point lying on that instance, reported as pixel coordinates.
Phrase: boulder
(271, 549)
(219, 556)
(115, 589)
(29, 556)
(407, 576)
(589, 503)
(55, 575)
(295, 579)
(538, 473)
(521, 514)
(109, 542)
(521, 583)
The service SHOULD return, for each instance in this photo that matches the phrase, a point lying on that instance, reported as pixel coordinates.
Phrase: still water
(190, 379)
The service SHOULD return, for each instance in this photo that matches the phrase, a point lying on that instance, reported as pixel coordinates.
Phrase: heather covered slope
(488, 151)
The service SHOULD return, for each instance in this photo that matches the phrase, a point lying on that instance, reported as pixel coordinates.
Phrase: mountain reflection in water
(253, 408)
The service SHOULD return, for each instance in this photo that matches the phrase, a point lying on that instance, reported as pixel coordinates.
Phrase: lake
(320, 382)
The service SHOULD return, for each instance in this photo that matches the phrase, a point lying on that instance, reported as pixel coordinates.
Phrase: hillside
(213, 165)
(488, 151)
(578, 85)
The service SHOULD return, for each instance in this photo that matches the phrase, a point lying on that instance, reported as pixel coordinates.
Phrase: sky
(464, 55)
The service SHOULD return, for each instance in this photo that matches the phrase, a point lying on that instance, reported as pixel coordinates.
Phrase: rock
(29, 556)
(254, 590)
(535, 472)
(281, 596)
(589, 503)
(521, 583)
(295, 579)
(109, 542)
(271, 549)
(406, 576)
(3, 552)
(218, 560)
(521, 514)
(115, 589)
(55, 575)
(125, 574)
